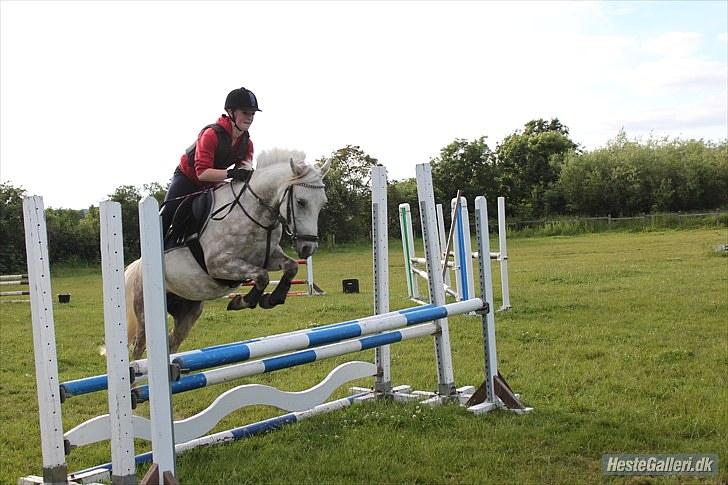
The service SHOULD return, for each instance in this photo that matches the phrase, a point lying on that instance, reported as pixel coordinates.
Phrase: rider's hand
(241, 174)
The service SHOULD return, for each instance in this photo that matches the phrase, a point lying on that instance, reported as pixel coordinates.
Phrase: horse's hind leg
(185, 314)
(138, 341)
(135, 309)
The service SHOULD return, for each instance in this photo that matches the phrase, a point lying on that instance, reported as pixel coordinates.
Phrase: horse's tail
(133, 290)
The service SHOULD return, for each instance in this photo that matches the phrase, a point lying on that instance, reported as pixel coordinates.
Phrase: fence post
(44, 342)
(380, 240)
(155, 323)
(443, 355)
(117, 360)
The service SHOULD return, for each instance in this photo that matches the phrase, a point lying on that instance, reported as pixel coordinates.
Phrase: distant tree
(529, 163)
(347, 216)
(629, 177)
(12, 233)
(129, 196)
(156, 190)
(400, 192)
(468, 166)
(69, 241)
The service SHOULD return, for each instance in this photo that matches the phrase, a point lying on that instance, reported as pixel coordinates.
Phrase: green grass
(619, 341)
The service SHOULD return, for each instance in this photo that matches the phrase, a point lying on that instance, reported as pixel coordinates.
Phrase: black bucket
(350, 286)
(64, 298)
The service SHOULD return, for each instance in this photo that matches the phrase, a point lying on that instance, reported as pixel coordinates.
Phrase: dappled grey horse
(240, 241)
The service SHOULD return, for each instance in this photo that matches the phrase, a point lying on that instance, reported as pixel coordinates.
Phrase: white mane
(278, 155)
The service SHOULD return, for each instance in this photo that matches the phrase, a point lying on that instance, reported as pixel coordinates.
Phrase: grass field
(619, 341)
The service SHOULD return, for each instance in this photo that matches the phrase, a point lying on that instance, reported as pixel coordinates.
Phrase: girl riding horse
(219, 146)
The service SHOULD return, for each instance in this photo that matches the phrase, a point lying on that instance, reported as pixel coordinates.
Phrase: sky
(96, 95)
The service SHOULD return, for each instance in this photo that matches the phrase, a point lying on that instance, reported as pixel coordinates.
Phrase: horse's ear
(298, 168)
(325, 167)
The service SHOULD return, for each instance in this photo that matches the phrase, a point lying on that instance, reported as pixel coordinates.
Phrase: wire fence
(575, 225)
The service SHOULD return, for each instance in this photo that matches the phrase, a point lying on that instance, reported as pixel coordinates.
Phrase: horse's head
(302, 202)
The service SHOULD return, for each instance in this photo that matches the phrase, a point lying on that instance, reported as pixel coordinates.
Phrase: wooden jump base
(461, 265)
(167, 374)
(14, 279)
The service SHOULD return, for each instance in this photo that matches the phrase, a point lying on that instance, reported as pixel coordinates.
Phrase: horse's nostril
(306, 250)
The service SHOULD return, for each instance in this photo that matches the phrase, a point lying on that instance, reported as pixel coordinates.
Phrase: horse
(240, 240)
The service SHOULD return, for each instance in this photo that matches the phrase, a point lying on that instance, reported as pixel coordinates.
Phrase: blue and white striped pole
(321, 336)
(462, 250)
(414, 327)
(96, 383)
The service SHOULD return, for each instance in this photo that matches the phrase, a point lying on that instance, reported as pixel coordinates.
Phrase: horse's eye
(301, 203)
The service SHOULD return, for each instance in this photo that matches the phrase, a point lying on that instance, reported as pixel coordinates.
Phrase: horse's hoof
(265, 302)
(236, 303)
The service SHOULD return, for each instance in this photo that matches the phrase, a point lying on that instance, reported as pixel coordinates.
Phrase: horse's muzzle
(305, 248)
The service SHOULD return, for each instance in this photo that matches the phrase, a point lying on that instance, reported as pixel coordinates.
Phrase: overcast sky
(95, 95)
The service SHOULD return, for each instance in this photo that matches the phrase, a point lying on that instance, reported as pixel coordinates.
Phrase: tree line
(539, 169)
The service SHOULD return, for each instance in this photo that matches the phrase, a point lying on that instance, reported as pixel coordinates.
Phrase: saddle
(187, 224)
(188, 220)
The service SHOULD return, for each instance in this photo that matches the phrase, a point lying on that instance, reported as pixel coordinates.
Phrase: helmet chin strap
(235, 123)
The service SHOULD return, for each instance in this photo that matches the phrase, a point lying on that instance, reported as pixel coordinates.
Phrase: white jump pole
(383, 382)
(44, 343)
(443, 243)
(155, 323)
(503, 253)
(117, 349)
(408, 249)
(426, 199)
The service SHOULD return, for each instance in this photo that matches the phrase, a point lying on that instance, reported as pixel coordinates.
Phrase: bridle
(291, 213)
(286, 223)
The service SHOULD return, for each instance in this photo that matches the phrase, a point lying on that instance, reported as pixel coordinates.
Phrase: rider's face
(244, 118)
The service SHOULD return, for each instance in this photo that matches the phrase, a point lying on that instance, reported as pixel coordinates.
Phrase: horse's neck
(269, 183)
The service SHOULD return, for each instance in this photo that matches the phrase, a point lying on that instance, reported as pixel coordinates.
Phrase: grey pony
(242, 245)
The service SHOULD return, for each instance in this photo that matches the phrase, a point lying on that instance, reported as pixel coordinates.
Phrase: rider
(219, 146)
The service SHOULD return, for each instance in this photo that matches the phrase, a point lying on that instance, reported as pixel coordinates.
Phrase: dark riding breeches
(179, 187)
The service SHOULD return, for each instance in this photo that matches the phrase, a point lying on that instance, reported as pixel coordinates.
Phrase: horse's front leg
(260, 279)
(279, 260)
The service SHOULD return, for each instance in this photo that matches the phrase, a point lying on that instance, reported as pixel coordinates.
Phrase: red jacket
(205, 152)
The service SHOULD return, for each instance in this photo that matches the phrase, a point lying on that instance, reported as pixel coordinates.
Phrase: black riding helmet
(241, 98)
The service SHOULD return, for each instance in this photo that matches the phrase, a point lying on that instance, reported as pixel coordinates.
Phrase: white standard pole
(503, 253)
(155, 322)
(44, 341)
(408, 248)
(486, 292)
(117, 350)
(426, 198)
(381, 271)
(309, 275)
